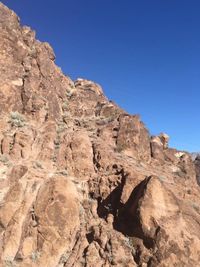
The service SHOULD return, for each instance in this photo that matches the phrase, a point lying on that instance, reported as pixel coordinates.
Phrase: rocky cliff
(82, 183)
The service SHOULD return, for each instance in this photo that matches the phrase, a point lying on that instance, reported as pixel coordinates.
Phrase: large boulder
(82, 183)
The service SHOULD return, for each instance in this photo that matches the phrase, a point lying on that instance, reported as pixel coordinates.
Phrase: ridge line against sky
(145, 55)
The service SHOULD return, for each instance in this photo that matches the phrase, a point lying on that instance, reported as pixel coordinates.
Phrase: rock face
(197, 167)
(82, 183)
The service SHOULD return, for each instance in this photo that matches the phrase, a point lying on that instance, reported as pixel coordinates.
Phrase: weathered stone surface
(197, 168)
(82, 183)
(133, 137)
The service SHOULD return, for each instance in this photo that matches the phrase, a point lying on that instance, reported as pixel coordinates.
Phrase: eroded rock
(82, 183)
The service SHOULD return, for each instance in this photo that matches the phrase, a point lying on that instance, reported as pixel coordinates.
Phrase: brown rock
(82, 183)
(197, 168)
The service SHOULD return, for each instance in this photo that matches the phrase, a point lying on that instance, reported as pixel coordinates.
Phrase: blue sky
(145, 54)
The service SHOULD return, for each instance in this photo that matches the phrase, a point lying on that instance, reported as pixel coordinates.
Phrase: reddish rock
(82, 183)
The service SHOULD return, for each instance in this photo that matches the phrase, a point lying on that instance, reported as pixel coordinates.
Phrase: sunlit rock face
(83, 183)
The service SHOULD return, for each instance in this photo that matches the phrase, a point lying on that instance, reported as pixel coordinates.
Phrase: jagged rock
(197, 167)
(82, 183)
(158, 146)
(133, 137)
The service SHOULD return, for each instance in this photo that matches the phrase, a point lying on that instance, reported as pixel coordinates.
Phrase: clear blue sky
(145, 54)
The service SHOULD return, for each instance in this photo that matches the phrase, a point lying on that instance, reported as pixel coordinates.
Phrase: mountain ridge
(83, 183)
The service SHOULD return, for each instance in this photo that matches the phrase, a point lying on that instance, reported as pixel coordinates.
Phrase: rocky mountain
(82, 183)
(197, 167)
(194, 155)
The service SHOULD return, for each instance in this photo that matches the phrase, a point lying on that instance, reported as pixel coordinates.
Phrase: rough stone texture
(82, 183)
(197, 168)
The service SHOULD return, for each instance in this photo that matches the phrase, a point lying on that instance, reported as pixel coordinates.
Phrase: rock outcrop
(82, 183)
(197, 168)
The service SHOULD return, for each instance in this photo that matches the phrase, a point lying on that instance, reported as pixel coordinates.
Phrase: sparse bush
(37, 164)
(33, 52)
(65, 115)
(61, 127)
(129, 243)
(62, 172)
(110, 258)
(65, 106)
(110, 119)
(69, 94)
(71, 85)
(54, 158)
(104, 121)
(120, 147)
(4, 159)
(57, 143)
(196, 207)
(64, 258)
(82, 215)
(35, 255)
(161, 178)
(9, 262)
(17, 120)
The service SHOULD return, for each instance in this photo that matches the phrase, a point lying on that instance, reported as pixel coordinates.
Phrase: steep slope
(194, 155)
(82, 183)
(197, 167)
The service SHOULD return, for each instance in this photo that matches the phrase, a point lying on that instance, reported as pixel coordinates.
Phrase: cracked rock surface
(83, 183)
